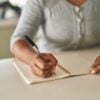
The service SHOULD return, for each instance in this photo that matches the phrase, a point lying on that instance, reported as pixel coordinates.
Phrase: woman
(64, 24)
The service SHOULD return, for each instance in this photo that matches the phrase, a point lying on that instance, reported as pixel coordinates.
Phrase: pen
(32, 43)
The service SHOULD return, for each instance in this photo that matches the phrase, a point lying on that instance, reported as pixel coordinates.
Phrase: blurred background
(10, 11)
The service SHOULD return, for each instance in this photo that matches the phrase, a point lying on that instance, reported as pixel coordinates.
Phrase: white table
(86, 87)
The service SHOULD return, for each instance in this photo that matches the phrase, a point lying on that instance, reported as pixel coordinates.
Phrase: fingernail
(93, 72)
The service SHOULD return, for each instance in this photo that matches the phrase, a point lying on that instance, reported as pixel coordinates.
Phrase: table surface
(83, 87)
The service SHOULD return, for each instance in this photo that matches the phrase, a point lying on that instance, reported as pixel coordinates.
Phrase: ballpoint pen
(32, 43)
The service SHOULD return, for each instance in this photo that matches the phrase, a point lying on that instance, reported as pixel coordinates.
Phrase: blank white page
(26, 73)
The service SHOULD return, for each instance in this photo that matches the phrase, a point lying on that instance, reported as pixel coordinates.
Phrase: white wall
(6, 29)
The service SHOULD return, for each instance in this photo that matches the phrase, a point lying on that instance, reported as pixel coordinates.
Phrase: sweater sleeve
(29, 22)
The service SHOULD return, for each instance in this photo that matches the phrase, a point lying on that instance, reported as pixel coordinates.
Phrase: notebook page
(26, 73)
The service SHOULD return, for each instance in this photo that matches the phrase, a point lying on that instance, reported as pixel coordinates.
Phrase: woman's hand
(44, 65)
(95, 68)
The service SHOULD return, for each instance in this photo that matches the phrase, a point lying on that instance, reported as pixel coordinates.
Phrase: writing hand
(44, 65)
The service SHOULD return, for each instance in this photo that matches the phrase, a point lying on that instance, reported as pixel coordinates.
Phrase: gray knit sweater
(62, 25)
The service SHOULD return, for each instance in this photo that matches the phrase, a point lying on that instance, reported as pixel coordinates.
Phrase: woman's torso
(69, 27)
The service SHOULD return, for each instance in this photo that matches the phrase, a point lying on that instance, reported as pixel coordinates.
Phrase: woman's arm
(23, 51)
(32, 16)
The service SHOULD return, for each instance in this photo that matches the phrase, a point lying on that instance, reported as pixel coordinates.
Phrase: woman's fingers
(50, 58)
(96, 62)
(95, 70)
(44, 65)
(42, 73)
(40, 62)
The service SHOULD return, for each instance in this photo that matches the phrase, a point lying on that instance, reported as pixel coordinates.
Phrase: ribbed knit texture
(62, 25)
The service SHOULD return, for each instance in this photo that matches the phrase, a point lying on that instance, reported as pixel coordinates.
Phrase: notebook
(29, 78)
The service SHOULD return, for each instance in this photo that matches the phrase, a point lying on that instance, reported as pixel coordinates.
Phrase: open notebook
(26, 73)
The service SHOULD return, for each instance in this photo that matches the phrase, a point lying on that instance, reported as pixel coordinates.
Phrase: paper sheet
(26, 73)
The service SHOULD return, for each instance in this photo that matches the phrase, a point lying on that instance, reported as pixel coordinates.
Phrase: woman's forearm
(23, 51)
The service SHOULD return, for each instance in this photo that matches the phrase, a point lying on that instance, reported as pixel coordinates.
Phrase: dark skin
(44, 64)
